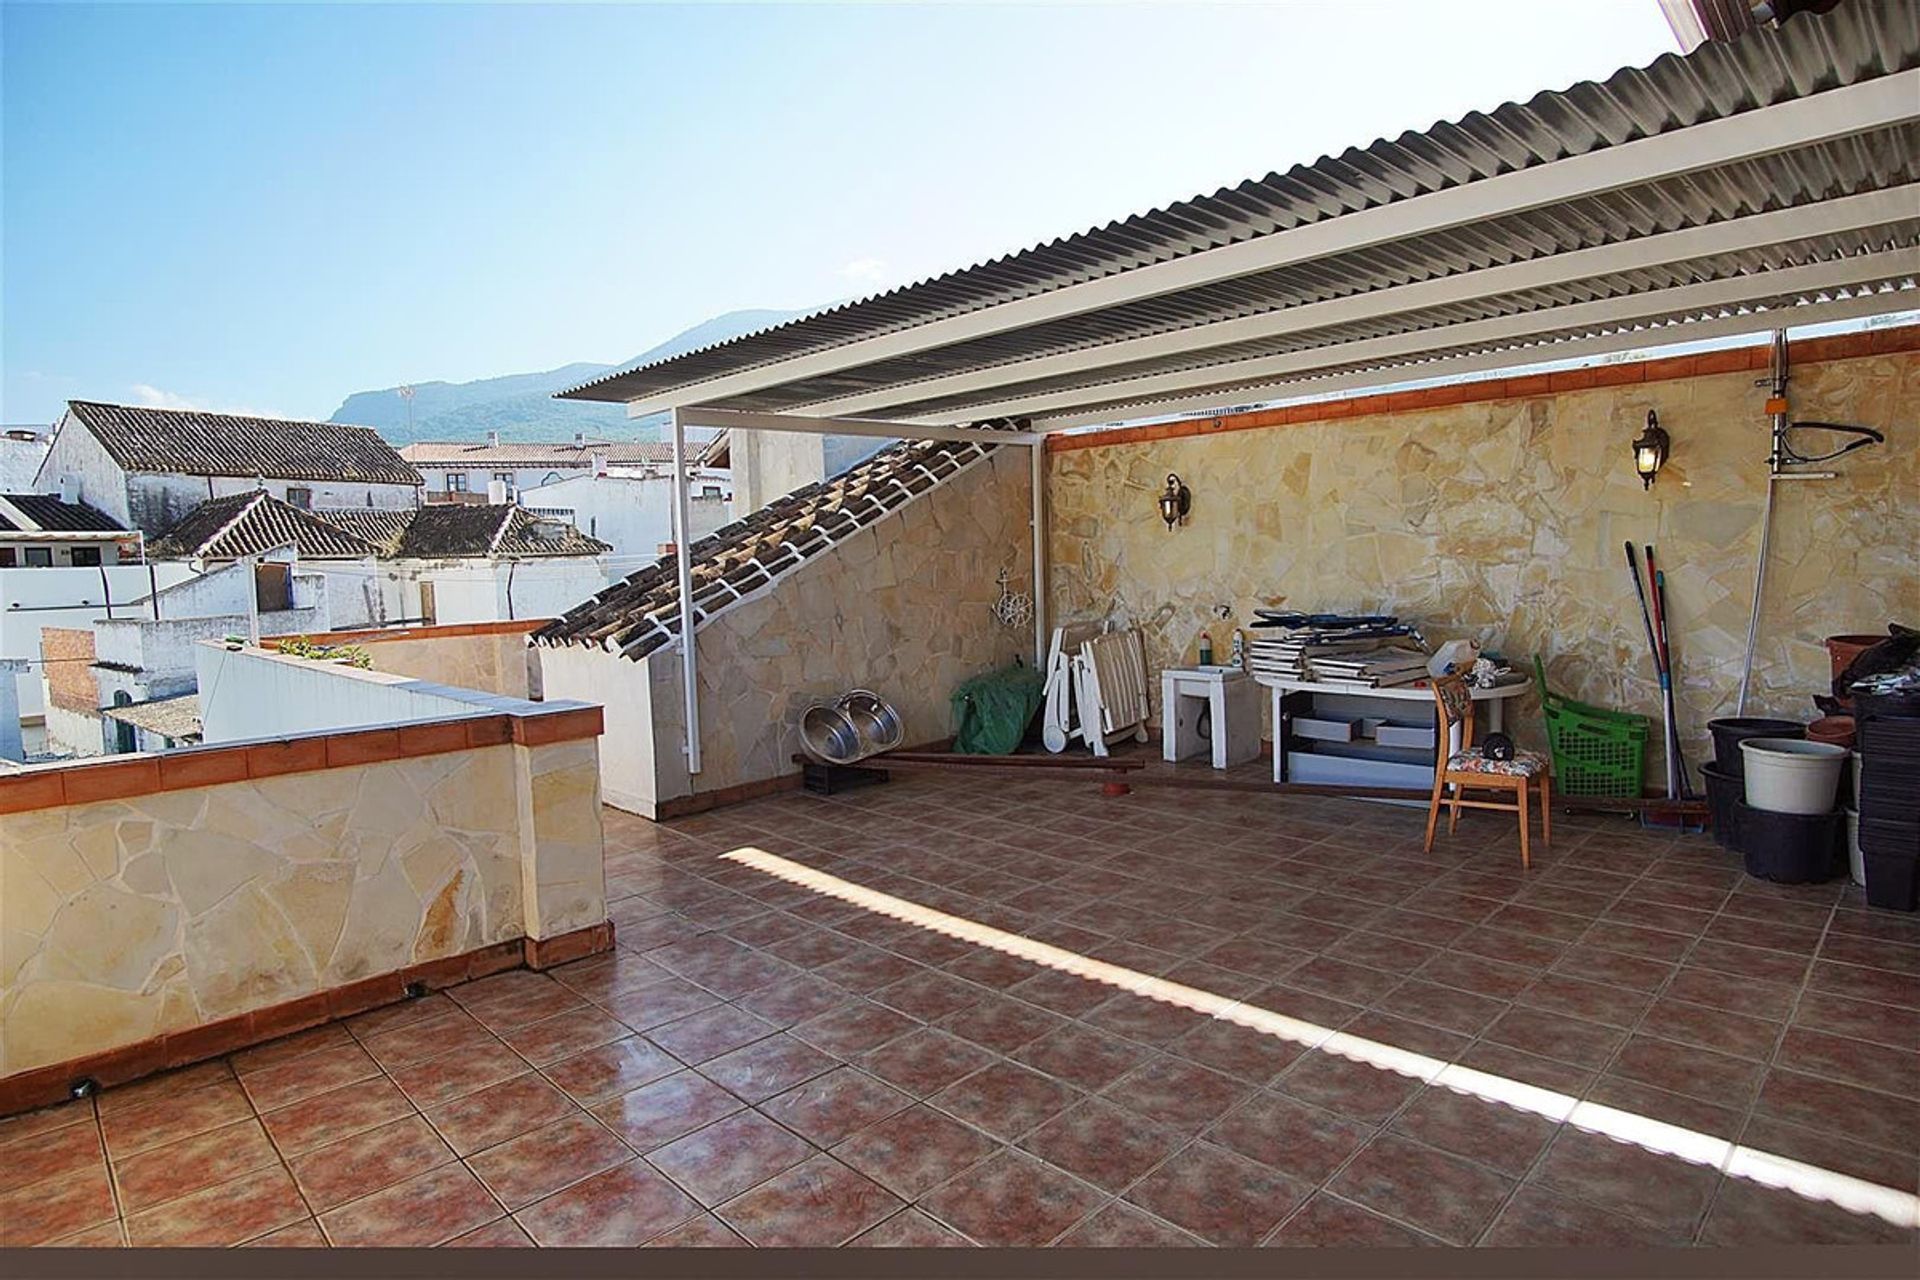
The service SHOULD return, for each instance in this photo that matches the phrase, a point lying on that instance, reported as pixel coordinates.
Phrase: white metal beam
(1817, 118)
(1517, 361)
(739, 420)
(1782, 226)
(683, 567)
(1628, 309)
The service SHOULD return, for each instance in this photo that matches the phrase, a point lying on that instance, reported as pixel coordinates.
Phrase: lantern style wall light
(1175, 501)
(1650, 451)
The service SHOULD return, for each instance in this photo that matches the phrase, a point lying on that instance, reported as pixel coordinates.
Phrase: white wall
(500, 591)
(75, 453)
(479, 477)
(627, 776)
(163, 654)
(251, 693)
(631, 514)
(34, 598)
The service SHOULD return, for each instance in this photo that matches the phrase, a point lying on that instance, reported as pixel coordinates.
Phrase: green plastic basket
(1596, 752)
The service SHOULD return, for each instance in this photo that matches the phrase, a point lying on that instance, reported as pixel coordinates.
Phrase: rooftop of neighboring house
(22, 449)
(255, 523)
(190, 442)
(177, 718)
(45, 513)
(641, 613)
(578, 453)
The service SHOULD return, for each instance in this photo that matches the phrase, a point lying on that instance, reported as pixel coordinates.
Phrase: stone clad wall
(901, 608)
(1504, 521)
(130, 918)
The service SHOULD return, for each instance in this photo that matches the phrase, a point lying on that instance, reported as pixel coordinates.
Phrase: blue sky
(265, 208)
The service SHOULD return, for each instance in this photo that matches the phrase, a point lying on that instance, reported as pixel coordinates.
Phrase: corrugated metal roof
(1808, 55)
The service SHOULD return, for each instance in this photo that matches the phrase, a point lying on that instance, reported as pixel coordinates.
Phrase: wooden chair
(1467, 769)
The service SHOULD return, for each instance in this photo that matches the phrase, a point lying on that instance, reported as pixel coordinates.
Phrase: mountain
(520, 405)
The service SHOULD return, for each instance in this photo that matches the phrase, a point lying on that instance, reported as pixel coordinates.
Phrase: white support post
(682, 544)
(1039, 448)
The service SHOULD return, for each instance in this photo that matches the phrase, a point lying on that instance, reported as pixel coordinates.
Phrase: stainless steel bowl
(828, 734)
(878, 723)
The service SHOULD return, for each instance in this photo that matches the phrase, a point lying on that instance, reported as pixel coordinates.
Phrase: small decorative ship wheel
(1012, 609)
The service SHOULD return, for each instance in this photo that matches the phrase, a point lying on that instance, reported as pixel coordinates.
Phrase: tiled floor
(762, 1063)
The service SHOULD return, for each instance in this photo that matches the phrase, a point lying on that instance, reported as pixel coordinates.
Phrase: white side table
(1227, 697)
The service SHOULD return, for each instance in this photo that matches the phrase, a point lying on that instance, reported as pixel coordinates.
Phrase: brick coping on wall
(47, 786)
(44, 1086)
(1840, 346)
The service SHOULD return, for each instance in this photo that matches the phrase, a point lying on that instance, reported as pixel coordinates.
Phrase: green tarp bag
(991, 712)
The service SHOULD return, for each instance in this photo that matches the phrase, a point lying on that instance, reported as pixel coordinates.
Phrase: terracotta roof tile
(223, 444)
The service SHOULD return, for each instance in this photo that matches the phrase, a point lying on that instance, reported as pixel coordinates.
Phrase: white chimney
(493, 439)
(69, 488)
(599, 463)
(496, 492)
(579, 439)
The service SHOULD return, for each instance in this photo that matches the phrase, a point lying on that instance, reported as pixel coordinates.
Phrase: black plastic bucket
(1791, 848)
(1726, 788)
(1893, 881)
(1729, 733)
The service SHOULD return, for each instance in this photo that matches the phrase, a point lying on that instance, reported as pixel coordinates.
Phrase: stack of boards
(1374, 651)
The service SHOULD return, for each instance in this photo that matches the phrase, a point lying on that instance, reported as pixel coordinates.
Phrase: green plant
(351, 655)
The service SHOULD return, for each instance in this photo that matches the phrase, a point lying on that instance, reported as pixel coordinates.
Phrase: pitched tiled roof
(41, 511)
(222, 444)
(248, 524)
(458, 529)
(636, 616)
(377, 525)
(445, 453)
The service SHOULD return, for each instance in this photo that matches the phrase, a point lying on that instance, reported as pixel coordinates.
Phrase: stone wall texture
(1504, 521)
(126, 919)
(902, 608)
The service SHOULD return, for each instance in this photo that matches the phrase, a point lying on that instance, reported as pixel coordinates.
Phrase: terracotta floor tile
(767, 1067)
(624, 1206)
(703, 1232)
(1013, 1201)
(1856, 1019)
(428, 1084)
(1528, 1068)
(1596, 964)
(1871, 1066)
(819, 1204)
(1124, 1226)
(399, 1014)
(795, 1000)
(502, 1233)
(57, 1153)
(167, 1084)
(1555, 1035)
(1841, 1109)
(730, 1156)
(40, 1212)
(1328, 1222)
(320, 1072)
(929, 996)
(499, 1112)
(910, 1229)
(229, 1213)
(169, 1118)
(368, 1162)
(1502, 1137)
(834, 1106)
(1830, 1151)
(428, 1038)
(1446, 1007)
(1104, 1144)
(1351, 1088)
(1538, 1218)
(1005, 1099)
(1657, 1191)
(429, 1209)
(1063, 993)
(1747, 1215)
(1001, 1024)
(28, 1124)
(666, 1000)
(1669, 1108)
(1304, 1142)
(305, 1234)
(329, 1035)
(563, 1035)
(656, 1114)
(541, 1161)
(1592, 1001)
(1084, 1057)
(1139, 1018)
(1172, 1091)
(329, 1117)
(534, 1004)
(914, 1150)
(192, 1164)
(855, 1028)
(1477, 975)
(711, 1033)
(1221, 1197)
(1251, 1055)
(609, 1069)
(1688, 1069)
(1438, 1193)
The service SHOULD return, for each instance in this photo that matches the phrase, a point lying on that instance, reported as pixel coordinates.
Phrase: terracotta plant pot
(1842, 650)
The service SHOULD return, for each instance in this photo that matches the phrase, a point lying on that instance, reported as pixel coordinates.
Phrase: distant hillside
(520, 405)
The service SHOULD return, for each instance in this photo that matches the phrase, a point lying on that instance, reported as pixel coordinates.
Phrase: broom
(1663, 659)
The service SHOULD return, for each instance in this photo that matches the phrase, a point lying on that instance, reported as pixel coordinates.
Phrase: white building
(22, 450)
(457, 471)
(631, 508)
(41, 531)
(147, 468)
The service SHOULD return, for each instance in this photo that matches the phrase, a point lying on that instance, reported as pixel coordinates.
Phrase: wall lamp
(1650, 451)
(1176, 500)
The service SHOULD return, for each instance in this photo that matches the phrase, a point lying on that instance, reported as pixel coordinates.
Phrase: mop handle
(1633, 567)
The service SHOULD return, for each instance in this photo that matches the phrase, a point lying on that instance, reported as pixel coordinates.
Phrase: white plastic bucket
(1856, 860)
(1792, 775)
